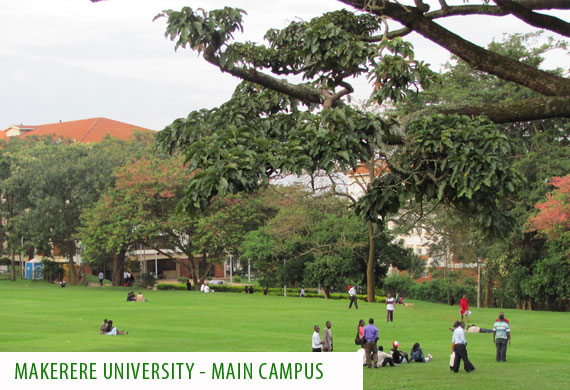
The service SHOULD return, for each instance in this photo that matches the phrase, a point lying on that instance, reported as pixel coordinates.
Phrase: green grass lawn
(39, 317)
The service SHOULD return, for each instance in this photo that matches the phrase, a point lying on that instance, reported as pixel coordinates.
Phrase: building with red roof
(84, 130)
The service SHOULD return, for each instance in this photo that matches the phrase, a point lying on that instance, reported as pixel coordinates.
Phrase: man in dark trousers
(370, 348)
(352, 294)
(460, 348)
(501, 335)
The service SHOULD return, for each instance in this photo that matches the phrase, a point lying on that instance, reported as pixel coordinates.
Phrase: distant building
(84, 130)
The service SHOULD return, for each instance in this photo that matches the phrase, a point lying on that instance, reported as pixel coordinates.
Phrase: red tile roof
(87, 130)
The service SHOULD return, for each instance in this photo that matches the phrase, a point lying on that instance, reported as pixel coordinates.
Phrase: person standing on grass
(370, 348)
(327, 338)
(352, 295)
(389, 308)
(504, 319)
(501, 334)
(460, 349)
(463, 308)
(317, 343)
(101, 277)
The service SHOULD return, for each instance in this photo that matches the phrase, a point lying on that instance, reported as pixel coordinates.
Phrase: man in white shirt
(352, 294)
(317, 343)
(460, 348)
(389, 308)
(101, 277)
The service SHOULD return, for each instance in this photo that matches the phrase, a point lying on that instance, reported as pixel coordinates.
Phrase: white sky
(72, 59)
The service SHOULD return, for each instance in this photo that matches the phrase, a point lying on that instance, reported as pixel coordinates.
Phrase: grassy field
(39, 317)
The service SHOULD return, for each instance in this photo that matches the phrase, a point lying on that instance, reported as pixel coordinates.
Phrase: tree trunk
(370, 279)
(326, 291)
(117, 267)
(488, 291)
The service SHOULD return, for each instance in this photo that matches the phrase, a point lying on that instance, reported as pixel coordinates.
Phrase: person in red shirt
(504, 319)
(463, 308)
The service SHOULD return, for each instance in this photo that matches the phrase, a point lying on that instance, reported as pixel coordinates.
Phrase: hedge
(278, 291)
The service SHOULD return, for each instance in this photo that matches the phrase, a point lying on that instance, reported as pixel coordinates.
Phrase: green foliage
(147, 279)
(397, 283)
(316, 241)
(52, 270)
(437, 290)
(454, 160)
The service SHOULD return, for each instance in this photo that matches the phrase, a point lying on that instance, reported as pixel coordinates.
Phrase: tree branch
(306, 94)
(549, 22)
(541, 107)
(478, 58)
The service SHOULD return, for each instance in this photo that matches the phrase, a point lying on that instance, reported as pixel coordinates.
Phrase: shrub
(397, 283)
(147, 280)
(170, 286)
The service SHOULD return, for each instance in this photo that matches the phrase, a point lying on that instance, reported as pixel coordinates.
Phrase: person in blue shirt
(370, 348)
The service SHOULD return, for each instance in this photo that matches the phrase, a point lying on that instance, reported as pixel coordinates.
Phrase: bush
(436, 291)
(52, 270)
(170, 286)
(237, 279)
(147, 280)
(183, 280)
(397, 283)
(278, 291)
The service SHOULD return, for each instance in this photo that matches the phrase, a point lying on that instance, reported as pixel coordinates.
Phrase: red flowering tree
(553, 218)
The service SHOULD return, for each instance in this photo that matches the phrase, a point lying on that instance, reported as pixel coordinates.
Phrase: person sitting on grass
(141, 298)
(131, 296)
(103, 327)
(398, 356)
(417, 355)
(384, 358)
(112, 330)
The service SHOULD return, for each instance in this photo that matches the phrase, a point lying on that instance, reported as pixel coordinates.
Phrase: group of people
(248, 289)
(501, 338)
(138, 298)
(326, 344)
(205, 288)
(128, 279)
(109, 329)
(367, 338)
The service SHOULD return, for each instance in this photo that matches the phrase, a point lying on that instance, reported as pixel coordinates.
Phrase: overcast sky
(73, 59)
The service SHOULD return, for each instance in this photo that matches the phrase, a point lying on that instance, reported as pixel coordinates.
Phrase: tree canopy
(291, 113)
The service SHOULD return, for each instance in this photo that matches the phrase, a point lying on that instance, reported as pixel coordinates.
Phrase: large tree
(274, 124)
(142, 208)
(56, 181)
(315, 240)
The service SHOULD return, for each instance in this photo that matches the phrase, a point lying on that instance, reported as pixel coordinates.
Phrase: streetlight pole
(231, 269)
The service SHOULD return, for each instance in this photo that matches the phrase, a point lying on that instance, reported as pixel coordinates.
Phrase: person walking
(501, 335)
(352, 294)
(389, 308)
(371, 348)
(460, 349)
(317, 343)
(327, 338)
(101, 277)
